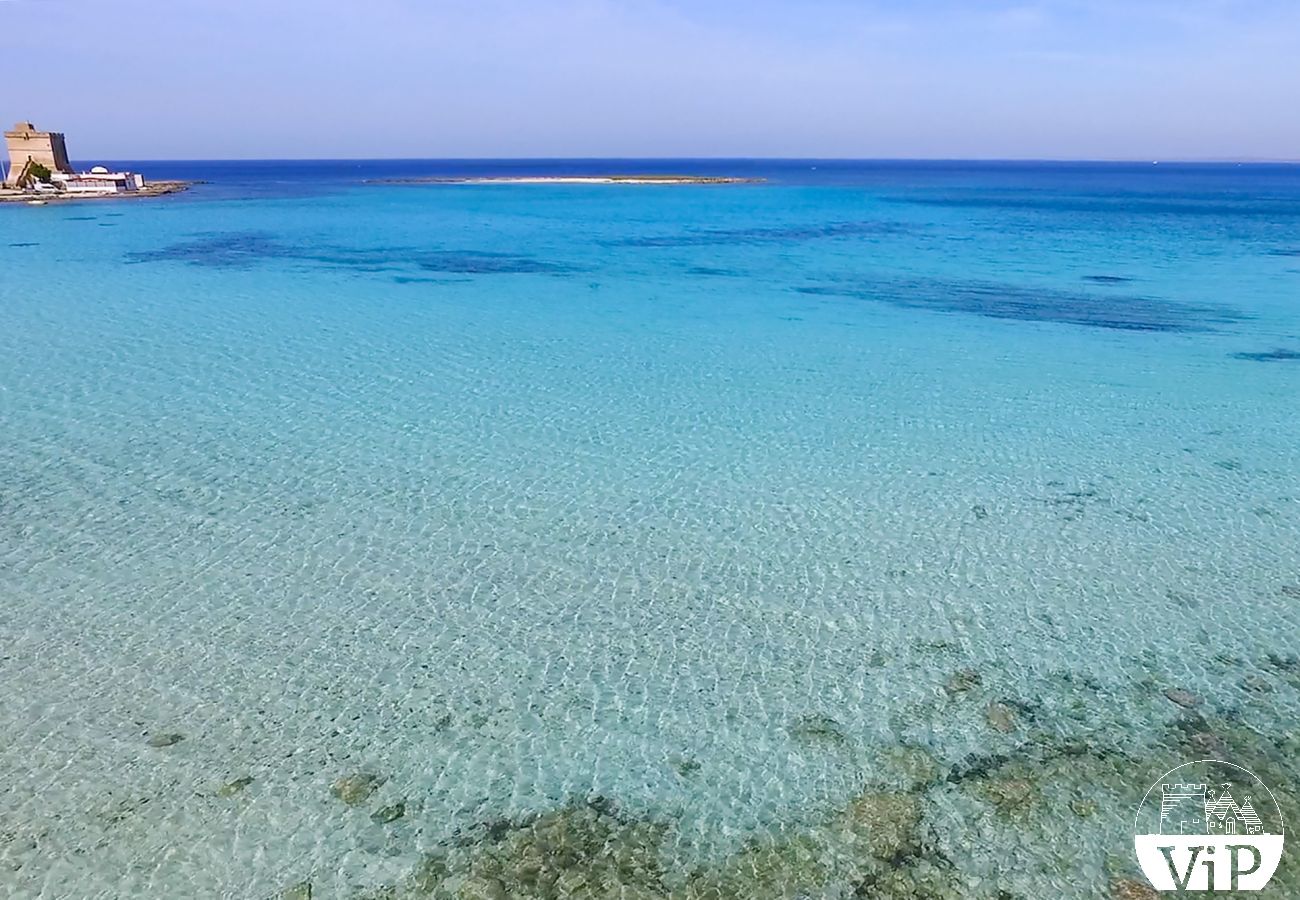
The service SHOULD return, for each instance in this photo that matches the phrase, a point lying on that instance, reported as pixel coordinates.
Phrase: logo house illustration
(1199, 809)
(1209, 834)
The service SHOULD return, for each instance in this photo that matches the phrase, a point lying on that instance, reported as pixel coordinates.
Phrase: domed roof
(99, 170)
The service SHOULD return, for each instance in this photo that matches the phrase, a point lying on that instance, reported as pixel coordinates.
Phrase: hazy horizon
(1200, 80)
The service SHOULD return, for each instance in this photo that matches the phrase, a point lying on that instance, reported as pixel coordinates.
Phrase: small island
(573, 179)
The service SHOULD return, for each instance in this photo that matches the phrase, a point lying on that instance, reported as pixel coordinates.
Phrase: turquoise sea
(880, 530)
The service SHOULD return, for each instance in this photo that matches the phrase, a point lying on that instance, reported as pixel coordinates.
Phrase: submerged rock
(1011, 797)
(1257, 684)
(482, 889)
(1083, 807)
(382, 892)
(1000, 717)
(577, 851)
(910, 767)
(684, 765)
(817, 728)
(300, 891)
(917, 879)
(390, 813)
(430, 873)
(1130, 889)
(1207, 743)
(1289, 663)
(963, 680)
(231, 788)
(356, 789)
(769, 868)
(1024, 303)
(1184, 698)
(1281, 354)
(165, 739)
(885, 824)
(591, 850)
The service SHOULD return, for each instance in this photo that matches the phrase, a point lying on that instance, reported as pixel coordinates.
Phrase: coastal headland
(39, 170)
(150, 189)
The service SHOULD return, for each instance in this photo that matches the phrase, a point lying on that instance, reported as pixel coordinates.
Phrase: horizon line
(1223, 160)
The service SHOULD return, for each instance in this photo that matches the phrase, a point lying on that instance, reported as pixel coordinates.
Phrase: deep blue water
(1260, 181)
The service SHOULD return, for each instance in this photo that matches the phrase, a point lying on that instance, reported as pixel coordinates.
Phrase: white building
(98, 181)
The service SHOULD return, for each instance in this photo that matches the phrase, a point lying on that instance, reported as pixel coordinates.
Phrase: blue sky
(1143, 79)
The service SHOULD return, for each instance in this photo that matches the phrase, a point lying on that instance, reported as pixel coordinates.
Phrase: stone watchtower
(27, 145)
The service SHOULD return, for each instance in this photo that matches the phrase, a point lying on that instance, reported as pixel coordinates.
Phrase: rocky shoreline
(152, 189)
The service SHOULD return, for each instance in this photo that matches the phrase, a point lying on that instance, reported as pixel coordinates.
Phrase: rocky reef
(1037, 807)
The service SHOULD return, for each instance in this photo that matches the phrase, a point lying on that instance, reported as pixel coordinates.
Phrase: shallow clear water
(739, 508)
